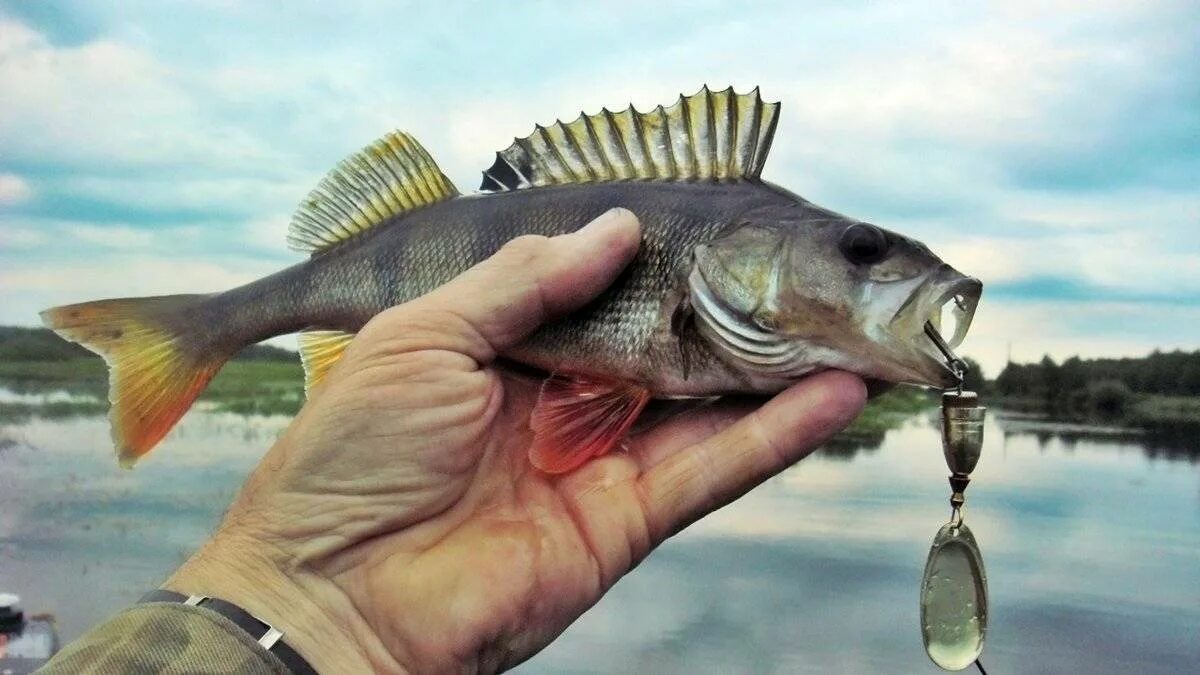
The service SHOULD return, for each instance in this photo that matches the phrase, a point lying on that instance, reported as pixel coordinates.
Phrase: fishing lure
(954, 593)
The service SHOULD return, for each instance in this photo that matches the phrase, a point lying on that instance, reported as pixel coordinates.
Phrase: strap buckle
(267, 639)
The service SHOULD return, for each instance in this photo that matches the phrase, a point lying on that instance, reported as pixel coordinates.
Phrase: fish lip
(944, 287)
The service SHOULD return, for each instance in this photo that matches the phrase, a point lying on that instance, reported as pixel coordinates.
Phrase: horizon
(292, 350)
(1054, 154)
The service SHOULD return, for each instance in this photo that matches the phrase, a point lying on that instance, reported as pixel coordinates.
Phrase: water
(1091, 539)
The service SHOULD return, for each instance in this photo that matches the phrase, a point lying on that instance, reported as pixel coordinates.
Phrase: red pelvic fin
(577, 418)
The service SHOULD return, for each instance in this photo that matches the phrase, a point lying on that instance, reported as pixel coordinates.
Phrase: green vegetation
(244, 387)
(1153, 411)
(882, 414)
(1160, 389)
(258, 388)
(20, 412)
(261, 379)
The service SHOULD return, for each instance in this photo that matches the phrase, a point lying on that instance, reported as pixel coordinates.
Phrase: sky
(150, 148)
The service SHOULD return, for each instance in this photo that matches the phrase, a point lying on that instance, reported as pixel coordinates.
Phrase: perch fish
(740, 286)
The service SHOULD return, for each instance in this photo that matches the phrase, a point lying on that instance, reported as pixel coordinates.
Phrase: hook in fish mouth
(955, 364)
(957, 299)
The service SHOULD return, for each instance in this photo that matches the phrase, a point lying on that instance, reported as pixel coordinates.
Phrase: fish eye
(864, 244)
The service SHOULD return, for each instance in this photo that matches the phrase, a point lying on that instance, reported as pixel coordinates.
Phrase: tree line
(41, 344)
(1174, 373)
(1101, 386)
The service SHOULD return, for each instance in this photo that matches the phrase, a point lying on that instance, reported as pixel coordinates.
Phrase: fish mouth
(948, 306)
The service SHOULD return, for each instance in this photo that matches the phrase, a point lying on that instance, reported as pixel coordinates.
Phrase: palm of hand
(397, 524)
(459, 513)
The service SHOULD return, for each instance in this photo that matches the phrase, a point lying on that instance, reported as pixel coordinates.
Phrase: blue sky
(151, 147)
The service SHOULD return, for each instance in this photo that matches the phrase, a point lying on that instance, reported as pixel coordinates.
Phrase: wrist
(316, 618)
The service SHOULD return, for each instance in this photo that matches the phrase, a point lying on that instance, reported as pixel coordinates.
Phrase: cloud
(126, 275)
(107, 103)
(18, 238)
(1027, 328)
(1053, 152)
(110, 236)
(13, 189)
(1117, 247)
(31, 287)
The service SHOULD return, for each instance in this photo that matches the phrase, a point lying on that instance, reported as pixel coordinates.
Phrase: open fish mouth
(948, 311)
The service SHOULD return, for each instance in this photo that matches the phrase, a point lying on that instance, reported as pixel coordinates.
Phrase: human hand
(397, 524)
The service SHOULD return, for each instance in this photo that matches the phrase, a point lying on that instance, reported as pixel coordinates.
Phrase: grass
(1145, 410)
(15, 412)
(882, 414)
(1153, 411)
(244, 387)
(258, 388)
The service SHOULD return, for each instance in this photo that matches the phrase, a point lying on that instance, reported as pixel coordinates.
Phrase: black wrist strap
(263, 633)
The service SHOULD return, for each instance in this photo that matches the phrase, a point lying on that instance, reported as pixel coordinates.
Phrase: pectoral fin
(578, 418)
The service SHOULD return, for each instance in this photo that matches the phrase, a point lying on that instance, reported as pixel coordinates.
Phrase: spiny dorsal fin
(319, 350)
(707, 136)
(392, 175)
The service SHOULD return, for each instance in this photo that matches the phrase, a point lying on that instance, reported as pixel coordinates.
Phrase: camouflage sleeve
(165, 637)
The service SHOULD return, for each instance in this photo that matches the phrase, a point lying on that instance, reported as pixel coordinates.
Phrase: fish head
(788, 290)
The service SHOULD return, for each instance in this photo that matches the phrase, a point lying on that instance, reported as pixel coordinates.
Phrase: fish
(740, 286)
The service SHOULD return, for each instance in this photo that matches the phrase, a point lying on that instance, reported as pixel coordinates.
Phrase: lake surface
(1091, 539)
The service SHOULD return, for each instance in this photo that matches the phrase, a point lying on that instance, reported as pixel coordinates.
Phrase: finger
(701, 478)
(530, 280)
(686, 429)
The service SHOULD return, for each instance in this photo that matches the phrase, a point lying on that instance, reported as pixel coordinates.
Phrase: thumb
(530, 280)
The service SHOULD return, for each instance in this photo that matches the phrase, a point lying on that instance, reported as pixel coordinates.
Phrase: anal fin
(577, 418)
(319, 350)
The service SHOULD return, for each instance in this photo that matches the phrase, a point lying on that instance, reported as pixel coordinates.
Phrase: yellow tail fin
(154, 372)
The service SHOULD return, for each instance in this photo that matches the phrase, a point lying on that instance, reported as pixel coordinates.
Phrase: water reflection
(846, 448)
(1092, 555)
(1092, 542)
(81, 537)
(1171, 442)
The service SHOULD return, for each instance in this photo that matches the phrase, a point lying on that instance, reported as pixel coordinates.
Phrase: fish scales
(343, 288)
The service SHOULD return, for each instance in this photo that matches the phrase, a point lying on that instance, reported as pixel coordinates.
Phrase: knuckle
(524, 249)
(426, 322)
(414, 327)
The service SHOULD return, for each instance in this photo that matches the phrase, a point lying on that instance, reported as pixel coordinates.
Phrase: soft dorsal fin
(707, 136)
(392, 175)
(319, 350)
